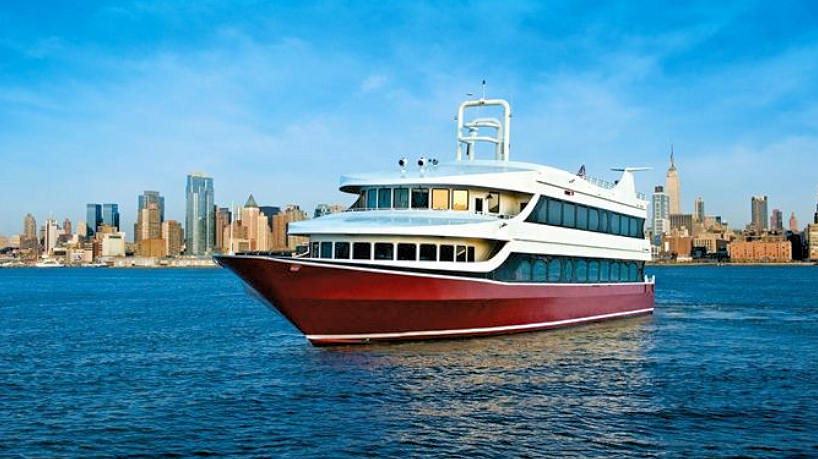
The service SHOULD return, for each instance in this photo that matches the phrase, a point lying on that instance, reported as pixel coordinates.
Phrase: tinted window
(428, 252)
(493, 202)
(604, 271)
(401, 198)
(604, 223)
(633, 272)
(582, 217)
(539, 272)
(420, 198)
(384, 251)
(634, 232)
(593, 271)
(314, 250)
(582, 270)
(614, 271)
(614, 223)
(342, 250)
(554, 270)
(372, 199)
(446, 253)
(440, 198)
(567, 270)
(593, 219)
(554, 212)
(326, 250)
(384, 198)
(540, 212)
(624, 225)
(568, 215)
(470, 253)
(461, 253)
(407, 252)
(522, 273)
(361, 251)
(460, 200)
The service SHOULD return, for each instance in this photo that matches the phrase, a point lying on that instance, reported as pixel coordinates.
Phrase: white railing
(406, 209)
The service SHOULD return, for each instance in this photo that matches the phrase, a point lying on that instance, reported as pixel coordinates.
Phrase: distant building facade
(152, 197)
(660, 204)
(698, 210)
(173, 237)
(760, 251)
(794, 223)
(200, 221)
(326, 209)
(777, 221)
(759, 217)
(281, 241)
(682, 222)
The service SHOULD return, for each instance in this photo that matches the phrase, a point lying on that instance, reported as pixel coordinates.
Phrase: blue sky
(100, 101)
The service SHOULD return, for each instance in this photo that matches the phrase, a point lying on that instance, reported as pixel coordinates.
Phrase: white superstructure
(470, 215)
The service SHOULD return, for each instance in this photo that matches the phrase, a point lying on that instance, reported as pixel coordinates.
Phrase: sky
(100, 101)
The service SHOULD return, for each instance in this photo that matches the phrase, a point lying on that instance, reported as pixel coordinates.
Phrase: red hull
(337, 304)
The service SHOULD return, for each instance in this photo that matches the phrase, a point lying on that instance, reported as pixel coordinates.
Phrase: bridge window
(461, 253)
(446, 253)
(440, 198)
(593, 219)
(428, 252)
(326, 250)
(614, 223)
(554, 212)
(420, 198)
(460, 200)
(407, 252)
(384, 251)
(401, 198)
(470, 253)
(372, 198)
(342, 250)
(362, 251)
(384, 198)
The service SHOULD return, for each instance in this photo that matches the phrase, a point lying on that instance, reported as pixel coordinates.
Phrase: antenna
(484, 89)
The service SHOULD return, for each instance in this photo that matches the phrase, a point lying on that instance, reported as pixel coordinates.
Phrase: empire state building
(672, 187)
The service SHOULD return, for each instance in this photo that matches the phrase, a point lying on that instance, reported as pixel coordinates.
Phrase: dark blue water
(183, 362)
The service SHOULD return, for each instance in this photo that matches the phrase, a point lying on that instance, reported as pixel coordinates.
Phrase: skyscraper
(173, 237)
(154, 197)
(110, 215)
(759, 213)
(777, 220)
(66, 226)
(698, 210)
(200, 220)
(672, 186)
(223, 218)
(49, 235)
(793, 223)
(661, 211)
(93, 218)
(29, 227)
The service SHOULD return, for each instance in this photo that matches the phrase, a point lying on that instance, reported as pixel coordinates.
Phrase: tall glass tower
(110, 215)
(200, 220)
(93, 218)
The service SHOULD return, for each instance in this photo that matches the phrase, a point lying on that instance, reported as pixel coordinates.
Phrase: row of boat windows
(556, 212)
(425, 198)
(391, 251)
(541, 268)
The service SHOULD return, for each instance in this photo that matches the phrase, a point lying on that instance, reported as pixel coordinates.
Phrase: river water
(184, 362)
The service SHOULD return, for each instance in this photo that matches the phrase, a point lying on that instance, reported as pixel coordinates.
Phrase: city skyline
(258, 101)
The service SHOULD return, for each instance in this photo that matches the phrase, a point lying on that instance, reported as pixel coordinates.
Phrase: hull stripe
(468, 331)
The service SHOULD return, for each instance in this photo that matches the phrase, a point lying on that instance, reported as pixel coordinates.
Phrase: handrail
(409, 209)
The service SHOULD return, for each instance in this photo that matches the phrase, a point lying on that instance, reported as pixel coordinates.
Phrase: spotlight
(402, 162)
(422, 161)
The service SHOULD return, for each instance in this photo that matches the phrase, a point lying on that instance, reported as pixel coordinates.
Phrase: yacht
(463, 248)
